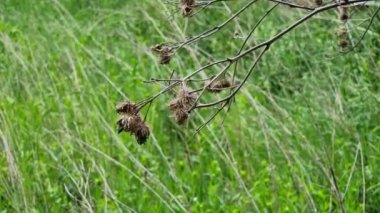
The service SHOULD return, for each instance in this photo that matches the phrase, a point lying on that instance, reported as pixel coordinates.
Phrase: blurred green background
(307, 114)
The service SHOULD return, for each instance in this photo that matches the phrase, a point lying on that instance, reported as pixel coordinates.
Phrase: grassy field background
(307, 114)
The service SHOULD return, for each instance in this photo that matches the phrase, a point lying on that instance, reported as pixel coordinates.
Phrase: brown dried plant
(181, 105)
(130, 121)
(187, 7)
(187, 100)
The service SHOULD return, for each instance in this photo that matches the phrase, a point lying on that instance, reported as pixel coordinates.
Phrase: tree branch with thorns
(186, 99)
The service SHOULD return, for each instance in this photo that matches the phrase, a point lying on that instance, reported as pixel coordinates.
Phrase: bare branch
(189, 99)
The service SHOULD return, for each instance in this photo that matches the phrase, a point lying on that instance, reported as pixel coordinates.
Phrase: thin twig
(214, 30)
(292, 5)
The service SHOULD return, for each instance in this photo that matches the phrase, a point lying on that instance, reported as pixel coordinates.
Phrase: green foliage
(65, 64)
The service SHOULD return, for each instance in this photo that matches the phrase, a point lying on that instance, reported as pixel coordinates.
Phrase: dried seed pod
(181, 105)
(128, 123)
(343, 14)
(142, 133)
(127, 107)
(218, 86)
(164, 51)
(187, 99)
(165, 59)
(181, 116)
(187, 7)
(133, 123)
(342, 32)
(160, 48)
(122, 123)
(343, 43)
(157, 48)
(174, 104)
(186, 10)
(344, 40)
(184, 100)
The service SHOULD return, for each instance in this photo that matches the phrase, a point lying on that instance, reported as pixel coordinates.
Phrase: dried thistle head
(165, 58)
(344, 40)
(127, 107)
(186, 99)
(344, 14)
(343, 43)
(157, 48)
(161, 48)
(133, 123)
(142, 133)
(174, 104)
(218, 86)
(181, 116)
(182, 104)
(164, 51)
(122, 123)
(128, 123)
(187, 7)
(342, 32)
(186, 10)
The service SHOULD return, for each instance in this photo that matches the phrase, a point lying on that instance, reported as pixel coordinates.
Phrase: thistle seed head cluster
(344, 40)
(130, 121)
(218, 86)
(187, 100)
(127, 107)
(344, 14)
(187, 7)
(165, 52)
(182, 104)
(343, 36)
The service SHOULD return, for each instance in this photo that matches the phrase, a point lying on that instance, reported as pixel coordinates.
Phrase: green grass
(306, 110)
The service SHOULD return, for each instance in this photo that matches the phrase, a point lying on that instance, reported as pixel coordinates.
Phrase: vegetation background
(307, 112)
